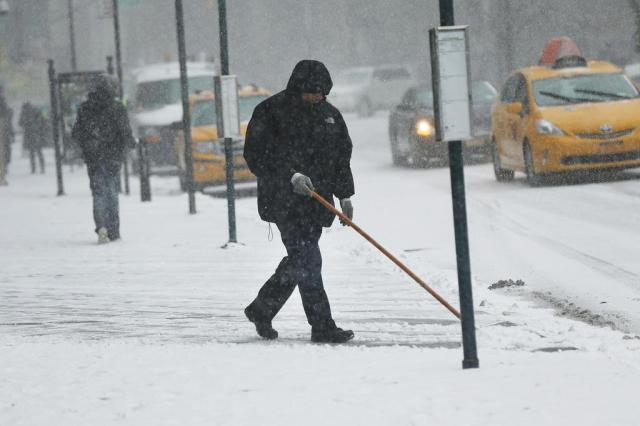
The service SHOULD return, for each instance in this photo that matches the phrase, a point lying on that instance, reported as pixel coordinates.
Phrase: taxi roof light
(562, 52)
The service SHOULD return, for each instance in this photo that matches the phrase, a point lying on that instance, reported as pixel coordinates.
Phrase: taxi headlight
(208, 147)
(424, 128)
(545, 127)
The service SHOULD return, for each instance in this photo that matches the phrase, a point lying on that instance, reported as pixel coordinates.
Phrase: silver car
(368, 89)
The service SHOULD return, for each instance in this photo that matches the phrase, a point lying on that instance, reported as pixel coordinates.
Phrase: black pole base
(470, 363)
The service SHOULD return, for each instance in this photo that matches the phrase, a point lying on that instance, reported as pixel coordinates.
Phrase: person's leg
(278, 288)
(273, 294)
(32, 159)
(306, 271)
(113, 226)
(3, 173)
(41, 160)
(98, 185)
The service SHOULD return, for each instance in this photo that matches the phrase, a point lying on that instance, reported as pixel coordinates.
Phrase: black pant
(104, 181)
(33, 153)
(302, 267)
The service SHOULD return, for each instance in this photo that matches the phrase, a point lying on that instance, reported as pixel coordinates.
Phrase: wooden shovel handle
(384, 251)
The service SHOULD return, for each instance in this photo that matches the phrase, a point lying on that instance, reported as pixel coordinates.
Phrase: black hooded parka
(287, 135)
(102, 127)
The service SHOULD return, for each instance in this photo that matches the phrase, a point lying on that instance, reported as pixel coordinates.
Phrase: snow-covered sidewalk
(150, 330)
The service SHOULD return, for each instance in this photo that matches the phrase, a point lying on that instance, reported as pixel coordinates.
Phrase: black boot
(331, 335)
(263, 327)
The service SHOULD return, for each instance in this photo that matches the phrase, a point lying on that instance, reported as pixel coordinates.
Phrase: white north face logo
(330, 120)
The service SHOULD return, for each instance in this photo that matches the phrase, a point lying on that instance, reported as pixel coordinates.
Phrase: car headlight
(424, 128)
(208, 147)
(545, 127)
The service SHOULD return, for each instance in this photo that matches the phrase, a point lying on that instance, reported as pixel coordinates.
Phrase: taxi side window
(508, 94)
(521, 94)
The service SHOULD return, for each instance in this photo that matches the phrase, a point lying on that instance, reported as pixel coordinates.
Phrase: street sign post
(228, 122)
(186, 114)
(143, 170)
(447, 41)
(116, 32)
(55, 125)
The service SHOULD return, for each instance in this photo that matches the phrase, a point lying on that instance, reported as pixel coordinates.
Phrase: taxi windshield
(204, 112)
(583, 89)
(156, 94)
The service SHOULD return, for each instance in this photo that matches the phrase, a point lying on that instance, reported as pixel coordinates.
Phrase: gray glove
(301, 184)
(347, 208)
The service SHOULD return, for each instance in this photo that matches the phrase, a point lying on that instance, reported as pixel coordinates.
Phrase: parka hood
(310, 76)
(103, 90)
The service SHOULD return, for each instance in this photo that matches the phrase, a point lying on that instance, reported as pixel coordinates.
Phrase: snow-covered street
(150, 330)
(579, 241)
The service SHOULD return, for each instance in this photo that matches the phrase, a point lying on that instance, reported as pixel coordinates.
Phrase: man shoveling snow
(297, 143)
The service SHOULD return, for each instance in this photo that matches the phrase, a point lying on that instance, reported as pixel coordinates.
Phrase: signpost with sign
(452, 100)
(228, 123)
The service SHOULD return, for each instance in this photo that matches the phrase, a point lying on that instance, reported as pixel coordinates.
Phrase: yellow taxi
(207, 150)
(567, 116)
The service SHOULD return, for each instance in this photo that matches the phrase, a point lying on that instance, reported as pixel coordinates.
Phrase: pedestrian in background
(34, 128)
(297, 142)
(103, 133)
(6, 137)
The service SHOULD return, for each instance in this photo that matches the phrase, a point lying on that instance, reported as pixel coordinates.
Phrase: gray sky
(267, 37)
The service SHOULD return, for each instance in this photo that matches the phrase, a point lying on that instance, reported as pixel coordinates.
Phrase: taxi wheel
(533, 178)
(502, 175)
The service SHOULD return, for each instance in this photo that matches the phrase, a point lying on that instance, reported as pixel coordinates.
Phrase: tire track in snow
(625, 276)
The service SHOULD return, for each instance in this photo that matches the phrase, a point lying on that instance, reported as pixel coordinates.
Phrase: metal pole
(231, 191)
(53, 93)
(228, 157)
(224, 45)
(110, 65)
(72, 35)
(116, 31)
(147, 169)
(228, 142)
(110, 72)
(143, 170)
(186, 116)
(461, 234)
